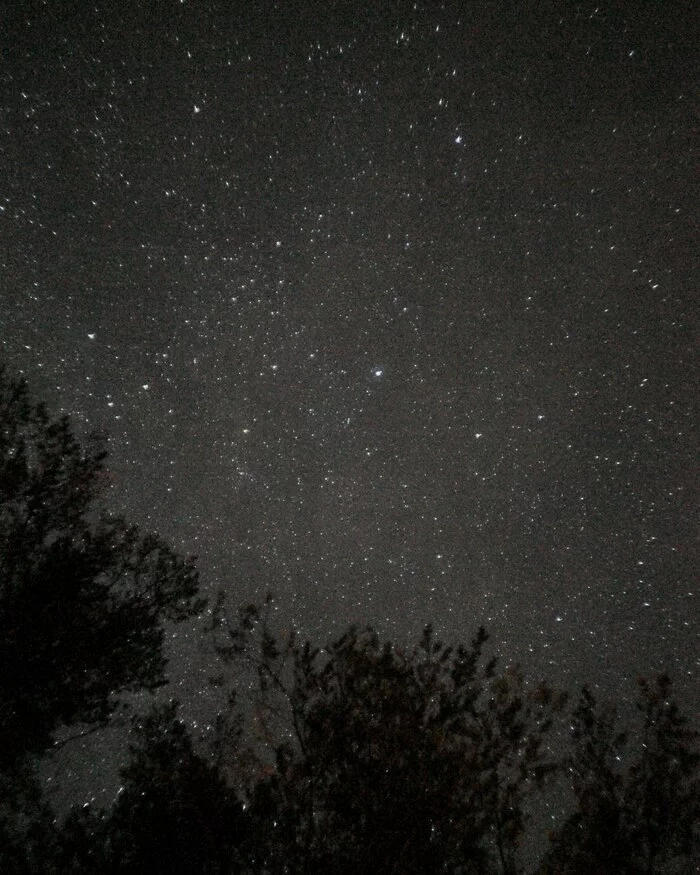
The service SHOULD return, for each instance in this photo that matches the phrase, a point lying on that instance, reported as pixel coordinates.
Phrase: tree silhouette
(634, 813)
(83, 597)
(391, 759)
(28, 836)
(663, 787)
(173, 814)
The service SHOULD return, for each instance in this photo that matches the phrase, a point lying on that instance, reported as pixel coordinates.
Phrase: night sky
(387, 307)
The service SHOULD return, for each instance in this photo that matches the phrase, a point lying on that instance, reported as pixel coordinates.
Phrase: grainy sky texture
(389, 307)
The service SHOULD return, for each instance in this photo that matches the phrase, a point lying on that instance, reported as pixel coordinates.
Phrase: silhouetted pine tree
(174, 813)
(636, 811)
(82, 600)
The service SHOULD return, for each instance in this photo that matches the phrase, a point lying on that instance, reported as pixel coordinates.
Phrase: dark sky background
(387, 307)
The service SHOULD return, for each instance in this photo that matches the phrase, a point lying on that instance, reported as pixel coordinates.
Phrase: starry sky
(387, 307)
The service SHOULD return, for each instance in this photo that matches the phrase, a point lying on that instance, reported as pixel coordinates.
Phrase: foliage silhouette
(390, 759)
(83, 598)
(634, 813)
(173, 814)
(82, 595)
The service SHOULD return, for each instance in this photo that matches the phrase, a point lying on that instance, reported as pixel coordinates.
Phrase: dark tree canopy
(82, 595)
(174, 812)
(637, 810)
(392, 759)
